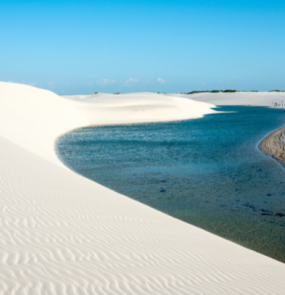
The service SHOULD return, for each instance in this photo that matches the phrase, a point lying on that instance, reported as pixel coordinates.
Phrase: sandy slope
(274, 145)
(63, 234)
(33, 118)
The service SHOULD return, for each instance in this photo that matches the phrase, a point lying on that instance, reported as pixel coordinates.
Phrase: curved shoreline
(62, 233)
(274, 146)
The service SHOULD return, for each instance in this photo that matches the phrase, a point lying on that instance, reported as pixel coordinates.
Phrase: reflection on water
(207, 171)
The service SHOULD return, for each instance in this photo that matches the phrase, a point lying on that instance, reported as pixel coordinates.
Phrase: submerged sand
(64, 234)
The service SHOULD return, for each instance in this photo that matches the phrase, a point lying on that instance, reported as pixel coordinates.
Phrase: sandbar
(274, 145)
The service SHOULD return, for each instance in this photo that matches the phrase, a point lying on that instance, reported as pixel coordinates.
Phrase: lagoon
(207, 172)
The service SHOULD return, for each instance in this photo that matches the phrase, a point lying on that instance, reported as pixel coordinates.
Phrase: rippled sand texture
(63, 234)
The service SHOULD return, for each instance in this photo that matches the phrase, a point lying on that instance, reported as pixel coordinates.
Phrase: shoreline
(164, 185)
(274, 145)
(61, 231)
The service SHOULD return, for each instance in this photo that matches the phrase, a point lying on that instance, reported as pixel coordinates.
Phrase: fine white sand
(64, 234)
(239, 98)
(102, 109)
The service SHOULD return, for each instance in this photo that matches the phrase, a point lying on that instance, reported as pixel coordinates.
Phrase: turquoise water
(207, 172)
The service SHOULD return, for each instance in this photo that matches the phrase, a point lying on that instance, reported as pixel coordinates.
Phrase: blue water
(207, 172)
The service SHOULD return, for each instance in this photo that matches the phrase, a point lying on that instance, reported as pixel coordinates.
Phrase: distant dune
(138, 108)
(64, 234)
(239, 98)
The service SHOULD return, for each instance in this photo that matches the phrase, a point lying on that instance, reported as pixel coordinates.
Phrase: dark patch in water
(266, 214)
(265, 211)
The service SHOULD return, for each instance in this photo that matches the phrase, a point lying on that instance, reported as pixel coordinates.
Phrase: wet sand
(274, 145)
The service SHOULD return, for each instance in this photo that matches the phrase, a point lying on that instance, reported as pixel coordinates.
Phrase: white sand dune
(239, 98)
(101, 109)
(64, 234)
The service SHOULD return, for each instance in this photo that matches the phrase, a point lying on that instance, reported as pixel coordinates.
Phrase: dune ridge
(64, 234)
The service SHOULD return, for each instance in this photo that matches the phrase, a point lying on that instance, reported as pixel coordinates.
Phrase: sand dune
(101, 109)
(33, 118)
(239, 98)
(64, 234)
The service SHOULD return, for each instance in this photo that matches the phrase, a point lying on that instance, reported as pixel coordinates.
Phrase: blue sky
(76, 47)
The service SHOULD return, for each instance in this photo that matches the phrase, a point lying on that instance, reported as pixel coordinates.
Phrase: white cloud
(51, 84)
(131, 81)
(160, 80)
(104, 82)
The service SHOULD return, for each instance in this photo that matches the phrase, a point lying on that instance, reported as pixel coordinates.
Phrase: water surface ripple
(207, 172)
